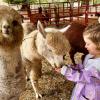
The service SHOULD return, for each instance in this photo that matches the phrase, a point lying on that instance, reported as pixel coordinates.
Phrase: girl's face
(91, 47)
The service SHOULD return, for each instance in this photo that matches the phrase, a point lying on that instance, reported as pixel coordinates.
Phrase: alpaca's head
(55, 44)
(11, 31)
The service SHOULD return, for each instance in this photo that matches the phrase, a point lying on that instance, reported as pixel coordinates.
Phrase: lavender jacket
(87, 78)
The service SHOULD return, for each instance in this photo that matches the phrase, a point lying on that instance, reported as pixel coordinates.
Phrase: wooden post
(86, 12)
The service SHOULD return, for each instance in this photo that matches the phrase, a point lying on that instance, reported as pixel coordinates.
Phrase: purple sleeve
(86, 76)
(78, 67)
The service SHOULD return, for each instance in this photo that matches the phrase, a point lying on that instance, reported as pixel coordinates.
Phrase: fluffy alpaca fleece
(12, 77)
(42, 43)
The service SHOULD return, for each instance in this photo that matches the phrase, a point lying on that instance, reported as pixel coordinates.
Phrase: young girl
(86, 75)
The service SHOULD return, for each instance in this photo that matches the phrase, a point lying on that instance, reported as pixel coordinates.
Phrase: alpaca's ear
(63, 30)
(41, 29)
(99, 19)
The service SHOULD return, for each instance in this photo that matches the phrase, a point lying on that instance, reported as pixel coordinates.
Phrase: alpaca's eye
(15, 23)
(50, 50)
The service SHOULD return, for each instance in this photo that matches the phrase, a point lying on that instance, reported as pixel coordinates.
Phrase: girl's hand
(57, 70)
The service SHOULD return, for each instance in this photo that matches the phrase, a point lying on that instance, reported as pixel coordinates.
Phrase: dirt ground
(53, 86)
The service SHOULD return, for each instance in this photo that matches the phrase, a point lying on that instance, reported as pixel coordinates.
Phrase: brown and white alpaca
(48, 43)
(74, 33)
(12, 77)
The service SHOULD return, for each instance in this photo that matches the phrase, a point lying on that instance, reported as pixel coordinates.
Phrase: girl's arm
(82, 75)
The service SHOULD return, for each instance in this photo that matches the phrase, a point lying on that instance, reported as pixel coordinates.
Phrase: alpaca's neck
(9, 51)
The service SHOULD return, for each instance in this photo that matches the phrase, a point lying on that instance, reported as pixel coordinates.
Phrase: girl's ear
(41, 29)
(98, 47)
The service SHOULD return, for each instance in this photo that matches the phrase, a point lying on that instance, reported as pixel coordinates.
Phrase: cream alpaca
(43, 43)
(12, 78)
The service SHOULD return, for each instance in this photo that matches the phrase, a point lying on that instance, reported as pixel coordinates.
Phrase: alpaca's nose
(6, 29)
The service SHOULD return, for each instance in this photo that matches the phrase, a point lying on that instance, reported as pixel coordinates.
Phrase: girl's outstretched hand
(57, 70)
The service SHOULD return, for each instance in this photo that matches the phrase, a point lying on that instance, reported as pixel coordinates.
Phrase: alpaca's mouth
(6, 32)
(7, 35)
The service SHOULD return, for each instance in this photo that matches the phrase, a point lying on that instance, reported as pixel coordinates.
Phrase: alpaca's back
(75, 36)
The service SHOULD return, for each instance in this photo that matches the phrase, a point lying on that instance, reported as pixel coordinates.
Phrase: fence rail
(62, 13)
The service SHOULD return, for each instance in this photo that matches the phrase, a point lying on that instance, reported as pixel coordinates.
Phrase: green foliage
(20, 1)
(46, 1)
(96, 1)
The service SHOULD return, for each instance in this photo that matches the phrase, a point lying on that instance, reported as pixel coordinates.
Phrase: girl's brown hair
(94, 34)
